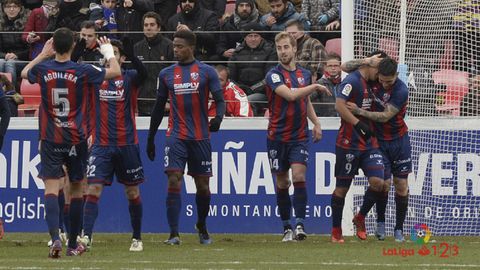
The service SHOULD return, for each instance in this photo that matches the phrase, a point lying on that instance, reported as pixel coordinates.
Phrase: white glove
(107, 51)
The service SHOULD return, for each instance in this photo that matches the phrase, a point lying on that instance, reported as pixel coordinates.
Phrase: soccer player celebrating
(115, 144)
(390, 97)
(64, 87)
(355, 147)
(187, 84)
(288, 90)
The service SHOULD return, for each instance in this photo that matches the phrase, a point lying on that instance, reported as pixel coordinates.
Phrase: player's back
(397, 96)
(114, 108)
(64, 88)
(288, 119)
(354, 88)
(188, 87)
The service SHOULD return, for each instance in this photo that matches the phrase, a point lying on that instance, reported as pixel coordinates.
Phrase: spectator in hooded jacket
(281, 12)
(245, 12)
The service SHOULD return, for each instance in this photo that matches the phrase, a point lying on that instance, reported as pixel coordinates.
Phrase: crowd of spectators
(241, 40)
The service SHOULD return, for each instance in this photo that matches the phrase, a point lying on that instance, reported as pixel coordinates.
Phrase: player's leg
(174, 161)
(372, 165)
(381, 206)
(76, 168)
(298, 157)
(135, 208)
(200, 167)
(90, 213)
(280, 165)
(401, 204)
(129, 171)
(51, 172)
(346, 167)
(66, 207)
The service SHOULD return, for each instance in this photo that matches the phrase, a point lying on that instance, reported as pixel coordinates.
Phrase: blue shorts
(397, 157)
(349, 161)
(123, 161)
(197, 154)
(53, 156)
(281, 154)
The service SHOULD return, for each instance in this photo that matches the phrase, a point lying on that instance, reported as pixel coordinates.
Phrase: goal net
(437, 41)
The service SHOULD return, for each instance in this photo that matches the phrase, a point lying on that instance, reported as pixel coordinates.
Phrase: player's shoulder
(304, 70)
(168, 70)
(274, 70)
(400, 86)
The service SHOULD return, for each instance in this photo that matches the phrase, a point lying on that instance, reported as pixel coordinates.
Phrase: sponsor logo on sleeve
(347, 89)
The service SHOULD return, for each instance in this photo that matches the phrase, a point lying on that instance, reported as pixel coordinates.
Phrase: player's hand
(363, 129)
(151, 149)
(215, 124)
(374, 60)
(352, 107)
(1, 142)
(322, 89)
(317, 133)
(106, 49)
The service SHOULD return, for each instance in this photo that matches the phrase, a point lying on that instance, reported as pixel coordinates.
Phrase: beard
(286, 59)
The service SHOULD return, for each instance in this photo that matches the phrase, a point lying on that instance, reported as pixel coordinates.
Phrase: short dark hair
(333, 55)
(63, 40)
(89, 25)
(284, 1)
(387, 67)
(296, 23)
(117, 43)
(154, 15)
(382, 54)
(187, 35)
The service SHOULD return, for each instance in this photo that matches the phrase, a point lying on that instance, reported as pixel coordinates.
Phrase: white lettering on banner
(466, 161)
(321, 161)
(415, 184)
(439, 173)
(236, 171)
(28, 168)
(21, 209)
(255, 210)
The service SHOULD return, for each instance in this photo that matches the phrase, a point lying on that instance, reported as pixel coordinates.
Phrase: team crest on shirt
(301, 80)
(273, 153)
(91, 159)
(386, 97)
(194, 76)
(347, 89)
(167, 149)
(349, 157)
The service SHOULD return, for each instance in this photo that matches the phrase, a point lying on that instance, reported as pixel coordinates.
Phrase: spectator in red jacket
(234, 96)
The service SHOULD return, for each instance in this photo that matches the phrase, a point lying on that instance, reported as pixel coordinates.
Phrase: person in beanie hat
(245, 12)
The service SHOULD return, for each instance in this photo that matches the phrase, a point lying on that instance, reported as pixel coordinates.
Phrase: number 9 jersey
(65, 88)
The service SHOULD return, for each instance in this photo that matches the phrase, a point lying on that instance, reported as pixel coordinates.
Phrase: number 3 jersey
(64, 88)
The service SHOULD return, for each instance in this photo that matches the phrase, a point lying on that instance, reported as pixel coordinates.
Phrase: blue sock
(66, 218)
(135, 207)
(75, 221)
(203, 206)
(370, 198)
(337, 204)
(284, 206)
(173, 203)
(90, 213)
(382, 201)
(61, 205)
(300, 201)
(51, 215)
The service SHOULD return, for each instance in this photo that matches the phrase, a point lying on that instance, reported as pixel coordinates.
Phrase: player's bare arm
(353, 65)
(312, 116)
(382, 117)
(297, 93)
(46, 53)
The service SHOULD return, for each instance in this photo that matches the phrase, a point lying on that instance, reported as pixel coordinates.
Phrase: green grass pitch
(244, 251)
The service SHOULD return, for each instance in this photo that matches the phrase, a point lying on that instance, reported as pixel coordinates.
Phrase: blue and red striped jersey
(188, 87)
(354, 88)
(114, 107)
(65, 89)
(397, 96)
(288, 119)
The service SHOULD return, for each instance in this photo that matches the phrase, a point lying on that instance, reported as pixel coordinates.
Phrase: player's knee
(174, 180)
(76, 189)
(376, 184)
(132, 192)
(386, 185)
(95, 190)
(282, 180)
(340, 192)
(299, 177)
(401, 186)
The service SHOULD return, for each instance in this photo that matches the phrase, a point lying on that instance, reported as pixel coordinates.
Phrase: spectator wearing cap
(250, 62)
(245, 13)
(195, 18)
(281, 12)
(12, 48)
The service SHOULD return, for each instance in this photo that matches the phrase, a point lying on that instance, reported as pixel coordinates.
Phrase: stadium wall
(243, 199)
